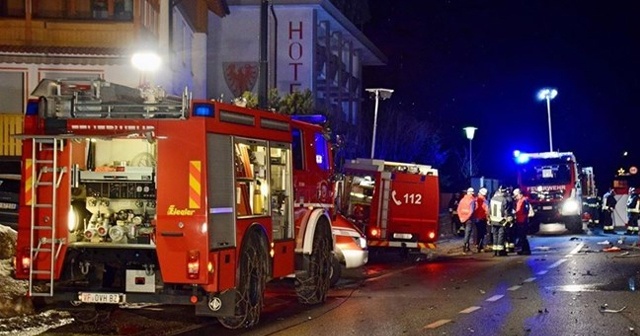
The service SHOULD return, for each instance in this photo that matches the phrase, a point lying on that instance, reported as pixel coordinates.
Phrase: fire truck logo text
(240, 76)
(173, 211)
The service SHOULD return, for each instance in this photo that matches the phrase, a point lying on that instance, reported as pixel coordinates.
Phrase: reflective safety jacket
(499, 210)
(466, 207)
(482, 208)
(522, 210)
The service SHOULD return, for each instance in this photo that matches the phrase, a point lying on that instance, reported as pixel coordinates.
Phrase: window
(12, 8)
(252, 189)
(322, 153)
(298, 156)
(12, 86)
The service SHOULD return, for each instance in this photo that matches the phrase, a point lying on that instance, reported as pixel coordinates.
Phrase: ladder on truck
(45, 177)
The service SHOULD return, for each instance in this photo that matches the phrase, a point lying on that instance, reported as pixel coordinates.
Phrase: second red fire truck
(396, 203)
(133, 196)
(551, 181)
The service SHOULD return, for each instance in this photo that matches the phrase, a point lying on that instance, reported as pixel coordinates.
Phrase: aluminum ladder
(43, 241)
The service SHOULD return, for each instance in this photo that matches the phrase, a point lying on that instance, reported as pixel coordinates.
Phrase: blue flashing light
(316, 119)
(32, 108)
(203, 110)
(521, 157)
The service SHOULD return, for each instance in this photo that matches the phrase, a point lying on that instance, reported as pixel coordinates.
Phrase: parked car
(350, 250)
(9, 192)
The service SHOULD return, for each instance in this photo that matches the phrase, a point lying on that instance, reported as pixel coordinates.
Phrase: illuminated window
(322, 153)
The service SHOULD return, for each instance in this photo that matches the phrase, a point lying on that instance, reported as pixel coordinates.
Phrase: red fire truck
(132, 196)
(397, 203)
(551, 181)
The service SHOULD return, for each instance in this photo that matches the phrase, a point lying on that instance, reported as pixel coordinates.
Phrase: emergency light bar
(317, 119)
(521, 157)
(203, 110)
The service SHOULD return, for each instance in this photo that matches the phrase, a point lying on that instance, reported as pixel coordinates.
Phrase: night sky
(481, 63)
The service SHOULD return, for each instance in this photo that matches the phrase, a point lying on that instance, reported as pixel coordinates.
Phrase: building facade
(311, 45)
(80, 38)
(210, 46)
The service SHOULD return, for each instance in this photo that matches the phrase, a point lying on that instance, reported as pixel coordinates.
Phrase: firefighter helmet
(482, 191)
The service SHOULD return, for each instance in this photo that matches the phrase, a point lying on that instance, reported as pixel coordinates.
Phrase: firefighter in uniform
(608, 208)
(465, 209)
(591, 205)
(633, 212)
(456, 226)
(509, 229)
(499, 217)
(481, 216)
(521, 214)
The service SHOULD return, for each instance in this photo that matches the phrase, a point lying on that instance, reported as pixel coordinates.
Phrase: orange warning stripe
(385, 243)
(28, 181)
(195, 185)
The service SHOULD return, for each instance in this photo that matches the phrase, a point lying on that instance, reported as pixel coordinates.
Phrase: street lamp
(145, 62)
(548, 94)
(470, 132)
(377, 94)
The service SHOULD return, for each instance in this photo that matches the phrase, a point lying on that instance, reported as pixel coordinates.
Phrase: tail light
(431, 235)
(25, 261)
(193, 264)
(374, 232)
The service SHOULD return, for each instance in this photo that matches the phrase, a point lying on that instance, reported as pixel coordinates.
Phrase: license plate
(402, 235)
(547, 207)
(9, 206)
(102, 298)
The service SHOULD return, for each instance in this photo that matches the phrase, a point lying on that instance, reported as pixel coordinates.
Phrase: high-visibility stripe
(28, 181)
(195, 186)
(386, 243)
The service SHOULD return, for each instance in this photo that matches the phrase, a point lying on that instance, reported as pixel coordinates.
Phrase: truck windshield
(543, 174)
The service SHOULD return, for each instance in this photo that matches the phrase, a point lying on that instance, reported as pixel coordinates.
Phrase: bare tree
(402, 137)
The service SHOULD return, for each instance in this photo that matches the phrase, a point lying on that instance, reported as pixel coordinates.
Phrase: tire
(574, 224)
(335, 273)
(251, 279)
(312, 282)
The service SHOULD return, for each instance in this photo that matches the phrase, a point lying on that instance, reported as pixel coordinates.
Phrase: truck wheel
(250, 284)
(336, 272)
(312, 283)
(574, 224)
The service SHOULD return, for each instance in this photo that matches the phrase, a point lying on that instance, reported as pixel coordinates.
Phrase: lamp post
(470, 131)
(377, 95)
(548, 94)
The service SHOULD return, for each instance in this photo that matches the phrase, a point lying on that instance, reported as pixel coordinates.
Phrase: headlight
(362, 242)
(571, 206)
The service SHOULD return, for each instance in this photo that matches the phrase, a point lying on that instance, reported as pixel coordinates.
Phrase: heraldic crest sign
(240, 76)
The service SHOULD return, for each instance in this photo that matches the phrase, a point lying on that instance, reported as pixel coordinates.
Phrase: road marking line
(512, 288)
(495, 298)
(557, 263)
(469, 310)
(577, 249)
(436, 324)
(530, 279)
(390, 274)
(543, 272)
